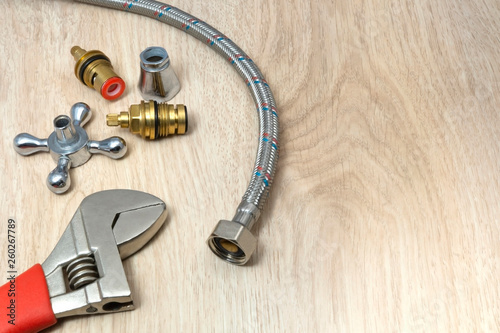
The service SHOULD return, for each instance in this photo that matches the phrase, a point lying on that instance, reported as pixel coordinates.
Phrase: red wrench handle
(25, 303)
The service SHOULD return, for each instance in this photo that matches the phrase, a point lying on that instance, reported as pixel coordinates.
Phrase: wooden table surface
(384, 214)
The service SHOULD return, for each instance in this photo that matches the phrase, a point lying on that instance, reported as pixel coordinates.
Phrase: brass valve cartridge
(152, 120)
(94, 69)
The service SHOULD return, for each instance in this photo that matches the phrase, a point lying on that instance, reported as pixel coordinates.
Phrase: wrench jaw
(92, 299)
(131, 235)
(84, 272)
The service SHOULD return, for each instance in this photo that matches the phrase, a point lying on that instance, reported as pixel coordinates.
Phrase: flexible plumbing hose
(267, 155)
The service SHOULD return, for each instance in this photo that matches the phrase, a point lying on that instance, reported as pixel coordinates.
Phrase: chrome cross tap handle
(69, 146)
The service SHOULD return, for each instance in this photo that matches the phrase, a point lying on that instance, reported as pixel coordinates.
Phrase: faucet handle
(114, 147)
(27, 144)
(81, 114)
(58, 179)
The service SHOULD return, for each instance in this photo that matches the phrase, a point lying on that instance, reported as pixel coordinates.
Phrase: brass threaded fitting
(152, 120)
(94, 69)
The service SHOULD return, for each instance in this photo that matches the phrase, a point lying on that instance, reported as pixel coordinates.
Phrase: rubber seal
(157, 121)
(113, 88)
(186, 115)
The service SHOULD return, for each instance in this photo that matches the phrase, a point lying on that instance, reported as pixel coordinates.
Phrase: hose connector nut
(94, 69)
(232, 242)
(152, 120)
(158, 80)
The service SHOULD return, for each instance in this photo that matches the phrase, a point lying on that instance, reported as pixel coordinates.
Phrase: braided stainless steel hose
(230, 240)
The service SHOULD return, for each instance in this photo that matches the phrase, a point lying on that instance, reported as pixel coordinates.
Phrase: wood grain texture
(384, 211)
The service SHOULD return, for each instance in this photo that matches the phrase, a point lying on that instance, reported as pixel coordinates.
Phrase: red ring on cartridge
(113, 88)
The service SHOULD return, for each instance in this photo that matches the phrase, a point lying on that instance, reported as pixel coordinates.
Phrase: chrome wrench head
(84, 272)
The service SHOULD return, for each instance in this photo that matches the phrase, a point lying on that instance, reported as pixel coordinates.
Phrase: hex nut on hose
(233, 242)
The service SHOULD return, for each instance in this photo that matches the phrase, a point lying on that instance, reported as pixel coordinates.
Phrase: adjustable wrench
(84, 273)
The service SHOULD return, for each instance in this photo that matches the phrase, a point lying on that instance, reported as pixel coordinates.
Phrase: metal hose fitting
(94, 69)
(152, 120)
(267, 152)
(232, 240)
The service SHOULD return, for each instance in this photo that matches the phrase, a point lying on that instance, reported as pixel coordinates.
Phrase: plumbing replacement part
(84, 274)
(94, 70)
(231, 240)
(69, 146)
(158, 80)
(152, 120)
